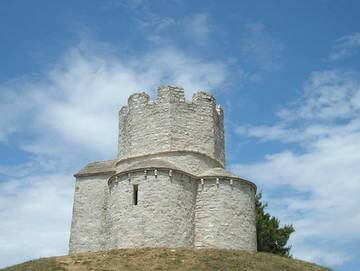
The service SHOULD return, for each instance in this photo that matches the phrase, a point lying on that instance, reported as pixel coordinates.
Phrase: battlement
(140, 98)
(171, 94)
(171, 123)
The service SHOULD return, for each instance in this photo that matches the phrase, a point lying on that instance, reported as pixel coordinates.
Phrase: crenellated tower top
(170, 123)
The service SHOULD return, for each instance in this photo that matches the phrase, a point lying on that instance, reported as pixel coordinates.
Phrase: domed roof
(152, 163)
(218, 172)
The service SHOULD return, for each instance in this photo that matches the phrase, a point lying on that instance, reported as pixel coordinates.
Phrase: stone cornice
(171, 171)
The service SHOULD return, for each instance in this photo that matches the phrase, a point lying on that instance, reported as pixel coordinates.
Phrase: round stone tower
(168, 186)
(189, 134)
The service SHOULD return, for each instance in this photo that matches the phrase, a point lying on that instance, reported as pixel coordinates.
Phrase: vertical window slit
(135, 194)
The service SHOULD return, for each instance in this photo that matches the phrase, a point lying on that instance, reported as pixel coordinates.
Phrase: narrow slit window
(135, 194)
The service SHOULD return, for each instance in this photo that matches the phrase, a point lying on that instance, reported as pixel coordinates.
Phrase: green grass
(151, 259)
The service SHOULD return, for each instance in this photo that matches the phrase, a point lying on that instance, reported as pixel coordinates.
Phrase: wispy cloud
(320, 180)
(194, 28)
(35, 213)
(145, 17)
(85, 89)
(260, 48)
(329, 106)
(156, 23)
(345, 46)
(331, 258)
(197, 27)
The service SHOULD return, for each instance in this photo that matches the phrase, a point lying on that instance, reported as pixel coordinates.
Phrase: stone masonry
(168, 186)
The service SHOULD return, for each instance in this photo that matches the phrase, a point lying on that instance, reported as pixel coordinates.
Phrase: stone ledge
(170, 171)
(122, 159)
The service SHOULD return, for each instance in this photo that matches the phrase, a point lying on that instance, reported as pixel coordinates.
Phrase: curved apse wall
(225, 216)
(163, 216)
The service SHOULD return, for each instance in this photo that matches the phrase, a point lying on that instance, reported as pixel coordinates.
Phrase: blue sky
(286, 73)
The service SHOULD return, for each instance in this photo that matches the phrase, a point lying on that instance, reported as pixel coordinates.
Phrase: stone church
(168, 186)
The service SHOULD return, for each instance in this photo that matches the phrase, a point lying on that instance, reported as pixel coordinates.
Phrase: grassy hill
(167, 259)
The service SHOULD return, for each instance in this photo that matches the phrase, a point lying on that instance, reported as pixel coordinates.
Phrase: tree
(270, 237)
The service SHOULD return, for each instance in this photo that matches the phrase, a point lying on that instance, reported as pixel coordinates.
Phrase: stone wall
(225, 215)
(89, 227)
(188, 161)
(163, 216)
(170, 123)
(174, 209)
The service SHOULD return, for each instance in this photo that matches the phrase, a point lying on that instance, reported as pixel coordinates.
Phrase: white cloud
(35, 215)
(330, 95)
(156, 23)
(67, 116)
(260, 48)
(194, 29)
(330, 106)
(325, 256)
(76, 102)
(320, 179)
(197, 27)
(10, 113)
(145, 17)
(345, 46)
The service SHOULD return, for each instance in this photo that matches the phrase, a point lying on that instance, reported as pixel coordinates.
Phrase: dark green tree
(270, 236)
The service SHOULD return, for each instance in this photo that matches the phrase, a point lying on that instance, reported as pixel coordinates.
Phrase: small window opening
(135, 194)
